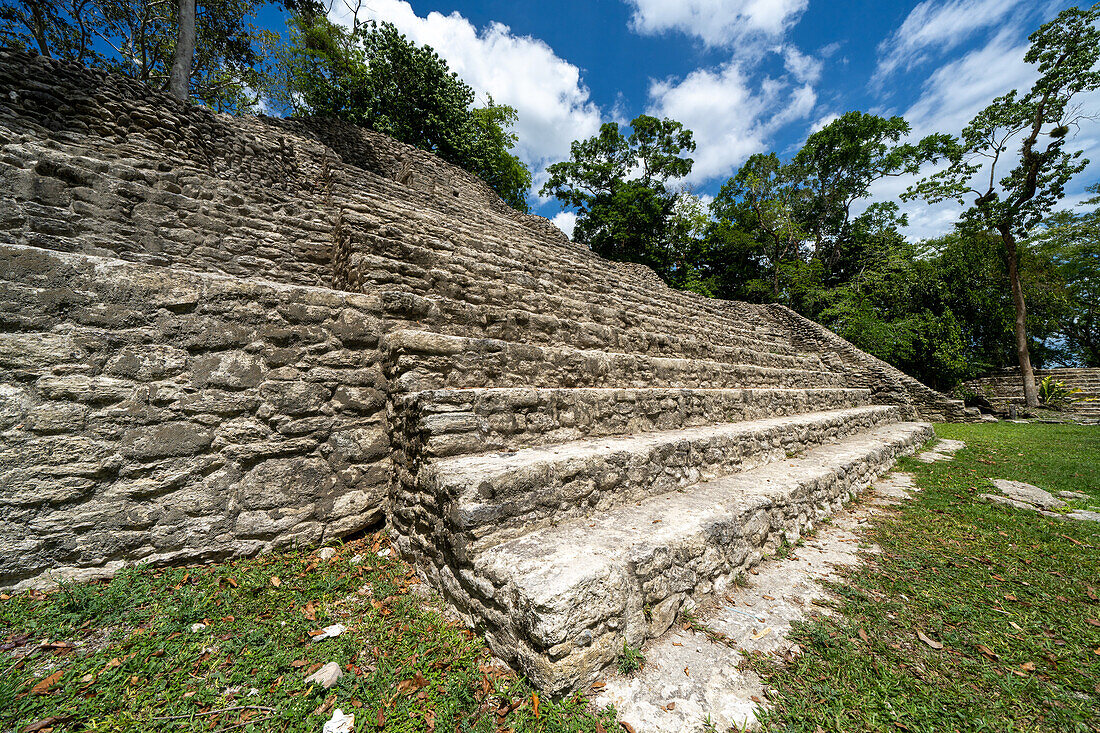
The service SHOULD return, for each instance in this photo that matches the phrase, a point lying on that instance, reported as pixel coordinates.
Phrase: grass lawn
(122, 655)
(1012, 597)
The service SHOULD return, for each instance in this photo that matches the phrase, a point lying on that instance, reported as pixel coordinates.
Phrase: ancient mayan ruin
(222, 336)
(1004, 389)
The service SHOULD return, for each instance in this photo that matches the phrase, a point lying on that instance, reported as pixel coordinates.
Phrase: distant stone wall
(152, 414)
(1006, 387)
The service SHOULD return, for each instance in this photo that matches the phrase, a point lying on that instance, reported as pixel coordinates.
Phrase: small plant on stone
(631, 660)
(1055, 394)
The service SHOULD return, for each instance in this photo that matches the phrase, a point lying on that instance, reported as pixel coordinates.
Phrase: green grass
(1014, 598)
(135, 664)
(1006, 592)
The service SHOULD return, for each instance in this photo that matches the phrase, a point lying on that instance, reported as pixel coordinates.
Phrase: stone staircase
(1004, 388)
(274, 332)
(569, 506)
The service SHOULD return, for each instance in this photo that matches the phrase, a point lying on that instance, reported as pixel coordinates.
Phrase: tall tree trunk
(1031, 395)
(38, 29)
(179, 83)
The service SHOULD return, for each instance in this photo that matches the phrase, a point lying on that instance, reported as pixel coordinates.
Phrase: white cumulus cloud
(732, 118)
(802, 66)
(566, 221)
(547, 91)
(717, 22)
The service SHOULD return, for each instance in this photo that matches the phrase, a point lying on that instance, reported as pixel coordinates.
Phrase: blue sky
(745, 75)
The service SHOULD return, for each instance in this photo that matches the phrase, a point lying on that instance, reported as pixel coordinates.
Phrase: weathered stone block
(295, 398)
(147, 362)
(228, 370)
(165, 440)
(284, 482)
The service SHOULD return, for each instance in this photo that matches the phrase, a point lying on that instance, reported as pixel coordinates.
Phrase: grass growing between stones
(975, 617)
(122, 655)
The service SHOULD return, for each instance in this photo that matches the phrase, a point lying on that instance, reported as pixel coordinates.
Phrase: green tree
(1070, 241)
(768, 196)
(895, 305)
(374, 76)
(620, 186)
(1066, 52)
(497, 165)
(837, 166)
(139, 38)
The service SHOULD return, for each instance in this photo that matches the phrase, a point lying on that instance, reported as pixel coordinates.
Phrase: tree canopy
(620, 186)
(138, 38)
(374, 76)
(1065, 52)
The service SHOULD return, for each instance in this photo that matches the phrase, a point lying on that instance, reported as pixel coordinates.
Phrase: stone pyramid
(221, 336)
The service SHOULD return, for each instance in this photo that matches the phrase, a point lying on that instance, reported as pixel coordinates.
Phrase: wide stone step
(525, 268)
(449, 422)
(422, 360)
(622, 329)
(555, 321)
(490, 497)
(561, 601)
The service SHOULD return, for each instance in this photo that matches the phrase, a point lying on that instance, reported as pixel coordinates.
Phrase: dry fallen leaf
(930, 642)
(626, 726)
(1093, 621)
(1091, 593)
(44, 686)
(987, 651)
(863, 634)
(275, 581)
(762, 634)
(1028, 666)
(417, 682)
(535, 703)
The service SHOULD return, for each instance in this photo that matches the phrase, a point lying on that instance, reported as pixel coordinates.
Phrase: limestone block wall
(156, 414)
(209, 327)
(1005, 387)
(99, 164)
(888, 384)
